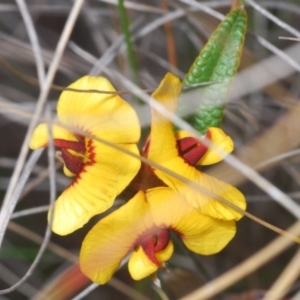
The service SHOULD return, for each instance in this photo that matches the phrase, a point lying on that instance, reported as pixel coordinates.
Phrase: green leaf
(24, 254)
(209, 79)
(127, 36)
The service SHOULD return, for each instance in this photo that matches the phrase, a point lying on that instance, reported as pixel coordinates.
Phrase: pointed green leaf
(216, 66)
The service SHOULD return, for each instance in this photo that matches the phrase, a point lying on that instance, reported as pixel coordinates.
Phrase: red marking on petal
(73, 163)
(89, 161)
(191, 150)
(91, 151)
(76, 146)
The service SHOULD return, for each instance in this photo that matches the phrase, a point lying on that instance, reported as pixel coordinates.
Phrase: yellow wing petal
(209, 236)
(40, 136)
(219, 138)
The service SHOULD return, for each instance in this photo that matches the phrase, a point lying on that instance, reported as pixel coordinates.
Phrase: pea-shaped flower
(164, 204)
(143, 226)
(100, 172)
(165, 150)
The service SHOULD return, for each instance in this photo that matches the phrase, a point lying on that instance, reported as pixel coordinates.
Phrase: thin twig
(245, 268)
(29, 211)
(6, 206)
(276, 20)
(47, 236)
(285, 280)
(33, 39)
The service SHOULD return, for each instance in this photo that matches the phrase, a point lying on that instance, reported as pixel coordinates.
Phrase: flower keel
(156, 243)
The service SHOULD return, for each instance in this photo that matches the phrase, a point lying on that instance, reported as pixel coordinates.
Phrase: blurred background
(262, 117)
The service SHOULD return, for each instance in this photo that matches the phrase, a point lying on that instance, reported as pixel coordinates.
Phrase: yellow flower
(101, 172)
(143, 226)
(165, 150)
(164, 203)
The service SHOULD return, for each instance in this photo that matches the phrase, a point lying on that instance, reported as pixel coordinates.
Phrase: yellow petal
(116, 235)
(139, 265)
(102, 115)
(206, 204)
(67, 172)
(207, 236)
(218, 137)
(40, 136)
(96, 186)
(166, 253)
(111, 239)
(181, 134)
(162, 150)
(163, 143)
(201, 234)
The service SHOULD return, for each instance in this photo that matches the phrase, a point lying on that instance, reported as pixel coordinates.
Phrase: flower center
(72, 153)
(154, 243)
(146, 179)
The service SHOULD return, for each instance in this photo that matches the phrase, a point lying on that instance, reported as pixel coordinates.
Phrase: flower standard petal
(101, 178)
(111, 239)
(100, 114)
(200, 233)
